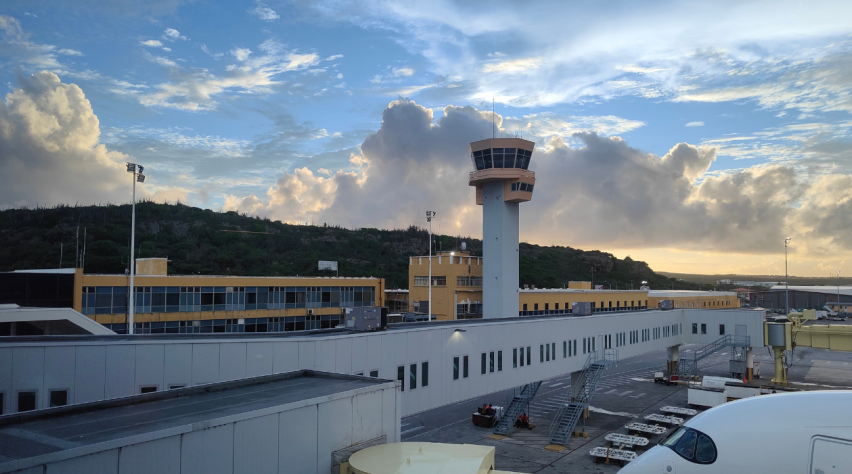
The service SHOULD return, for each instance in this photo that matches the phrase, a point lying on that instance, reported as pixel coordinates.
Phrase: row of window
(566, 309)
(28, 399)
(522, 187)
(412, 375)
(436, 281)
(241, 325)
(175, 299)
(468, 281)
(490, 360)
(692, 304)
(704, 329)
(501, 158)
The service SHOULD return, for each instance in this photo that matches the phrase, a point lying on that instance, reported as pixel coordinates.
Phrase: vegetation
(199, 241)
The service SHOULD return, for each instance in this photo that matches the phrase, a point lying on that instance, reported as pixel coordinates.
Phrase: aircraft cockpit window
(706, 452)
(692, 445)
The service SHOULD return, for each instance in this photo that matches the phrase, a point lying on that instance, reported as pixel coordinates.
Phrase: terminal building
(802, 297)
(457, 292)
(194, 303)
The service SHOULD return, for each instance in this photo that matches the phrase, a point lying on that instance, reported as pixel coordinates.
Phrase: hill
(200, 241)
(794, 280)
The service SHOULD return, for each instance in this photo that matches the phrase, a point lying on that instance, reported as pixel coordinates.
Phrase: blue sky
(299, 110)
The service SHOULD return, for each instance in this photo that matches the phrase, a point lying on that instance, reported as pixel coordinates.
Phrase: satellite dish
(464, 245)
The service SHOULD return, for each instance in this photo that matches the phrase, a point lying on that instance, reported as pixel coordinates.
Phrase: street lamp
(137, 177)
(838, 290)
(786, 276)
(429, 216)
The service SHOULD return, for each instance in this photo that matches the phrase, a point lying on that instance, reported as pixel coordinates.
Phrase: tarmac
(625, 393)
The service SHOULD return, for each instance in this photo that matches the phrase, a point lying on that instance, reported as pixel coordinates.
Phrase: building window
(584, 345)
(58, 398)
(375, 373)
(553, 350)
(464, 368)
(547, 306)
(499, 361)
(564, 349)
(421, 281)
(703, 328)
(455, 368)
(525, 307)
(483, 363)
(529, 355)
(721, 329)
(515, 358)
(541, 353)
(400, 376)
(694, 328)
(556, 306)
(547, 353)
(175, 387)
(424, 374)
(413, 373)
(148, 389)
(491, 361)
(522, 357)
(535, 307)
(26, 400)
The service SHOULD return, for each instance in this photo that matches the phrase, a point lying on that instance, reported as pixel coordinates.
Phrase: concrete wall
(296, 437)
(98, 369)
(500, 228)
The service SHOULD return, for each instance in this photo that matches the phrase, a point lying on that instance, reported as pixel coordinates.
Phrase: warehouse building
(801, 297)
(193, 303)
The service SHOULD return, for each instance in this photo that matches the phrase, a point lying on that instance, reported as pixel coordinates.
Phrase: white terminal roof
(844, 290)
(576, 290)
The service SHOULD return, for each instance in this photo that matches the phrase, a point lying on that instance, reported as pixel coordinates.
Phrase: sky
(693, 135)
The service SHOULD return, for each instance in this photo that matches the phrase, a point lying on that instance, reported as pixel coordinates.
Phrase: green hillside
(200, 241)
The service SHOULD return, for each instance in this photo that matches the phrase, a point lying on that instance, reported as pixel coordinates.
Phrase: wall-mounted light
(460, 330)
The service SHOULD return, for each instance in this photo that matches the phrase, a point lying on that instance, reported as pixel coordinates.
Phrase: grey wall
(294, 438)
(500, 270)
(97, 369)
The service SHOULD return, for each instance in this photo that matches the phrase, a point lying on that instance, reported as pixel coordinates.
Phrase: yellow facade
(556, 301)
(453, 284)
(695, 299)
(84, 283)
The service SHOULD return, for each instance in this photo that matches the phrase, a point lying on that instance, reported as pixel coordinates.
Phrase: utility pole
(137, 176)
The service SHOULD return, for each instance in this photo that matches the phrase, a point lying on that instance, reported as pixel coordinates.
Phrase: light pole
(838, 290)
(137, 176)
(429, 216)
(786, 276)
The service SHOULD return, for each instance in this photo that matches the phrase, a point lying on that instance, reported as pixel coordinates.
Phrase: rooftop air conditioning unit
(310, 311)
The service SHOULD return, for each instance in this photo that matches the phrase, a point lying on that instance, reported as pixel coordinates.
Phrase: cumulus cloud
(624, 197)
(172, 34)
(403, 72)
(49, 148)
(152, 43)
(264, 13)
(513, 65)
(241, 53)
(694, 124)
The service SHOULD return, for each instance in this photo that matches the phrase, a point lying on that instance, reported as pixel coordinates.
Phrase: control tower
(502, 182)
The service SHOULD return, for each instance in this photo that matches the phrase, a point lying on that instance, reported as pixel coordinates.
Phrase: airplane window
(686, 446)
(705, 452)
(672, 439)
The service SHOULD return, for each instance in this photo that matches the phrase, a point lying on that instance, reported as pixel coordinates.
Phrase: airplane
(801, 432)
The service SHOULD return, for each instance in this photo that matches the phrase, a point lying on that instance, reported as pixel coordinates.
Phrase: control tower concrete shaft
(502, 182)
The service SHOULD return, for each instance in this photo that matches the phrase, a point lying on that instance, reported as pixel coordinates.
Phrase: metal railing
(689, 366)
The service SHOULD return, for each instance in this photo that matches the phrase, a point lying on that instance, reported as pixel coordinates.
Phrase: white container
(706, 397)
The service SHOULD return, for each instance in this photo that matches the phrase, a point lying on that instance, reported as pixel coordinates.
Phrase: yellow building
(195, 303)
(694, 299)
(456, 285)
(457, 292)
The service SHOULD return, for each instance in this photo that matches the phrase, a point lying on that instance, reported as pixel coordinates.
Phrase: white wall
(109, 369)
(297, 437)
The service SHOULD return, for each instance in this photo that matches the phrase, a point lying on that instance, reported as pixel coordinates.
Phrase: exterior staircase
(689, 366)
(571, 409)
(520, 401)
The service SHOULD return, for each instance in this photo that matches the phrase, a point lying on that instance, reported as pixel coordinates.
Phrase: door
(740, 331)
(829, 455)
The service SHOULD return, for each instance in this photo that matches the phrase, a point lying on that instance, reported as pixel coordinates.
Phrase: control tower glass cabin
(502, 181)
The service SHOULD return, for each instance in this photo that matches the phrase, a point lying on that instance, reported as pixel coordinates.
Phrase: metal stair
(571, 410)
(689, 366)
(520, 401)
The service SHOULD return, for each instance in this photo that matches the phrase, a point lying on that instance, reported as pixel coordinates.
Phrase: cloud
(241, 53)
(333, 57)
(70, 52)
(694, 124)
(403, 72)
(625, 197)
(172, 34)
(152, 43)
(513, 65)
(264, 13)
(49, 148)
(639, 69)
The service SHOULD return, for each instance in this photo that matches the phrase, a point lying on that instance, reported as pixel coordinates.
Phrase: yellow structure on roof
(424, 458)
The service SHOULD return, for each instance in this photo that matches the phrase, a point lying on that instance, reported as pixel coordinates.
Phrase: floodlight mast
(429, 216)
(786, 276)
(137, 176)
